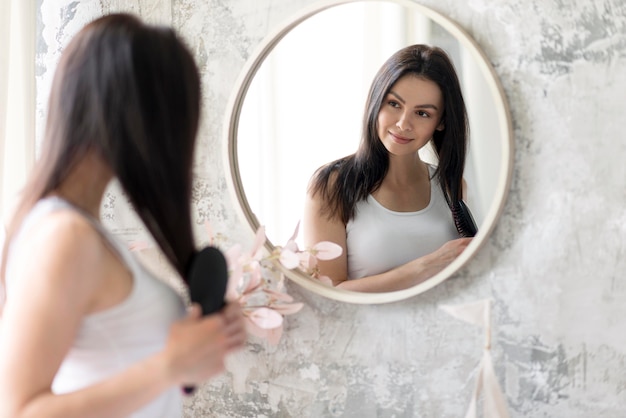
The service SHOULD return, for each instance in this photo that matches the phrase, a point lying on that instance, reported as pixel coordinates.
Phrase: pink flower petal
(287, 308)
(234, 284)
(291, 246)
(274, 334)
(254, 329)
(271, 335)
(289, 259)
(278, 295)
(233, 255)
(243, 299)
(266, 318)
(259, 240)
(279, 286)
(295, 232)
(252, 285)
(326, 250)
(307, 260)
(255, 276)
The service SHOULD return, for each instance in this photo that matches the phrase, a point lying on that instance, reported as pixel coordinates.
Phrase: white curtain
(17, 97)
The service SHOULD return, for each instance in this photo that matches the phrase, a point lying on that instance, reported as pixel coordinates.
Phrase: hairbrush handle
(207, 279)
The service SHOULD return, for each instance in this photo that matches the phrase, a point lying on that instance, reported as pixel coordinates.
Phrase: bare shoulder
(319, 183)
(321, 222)
(62, 247)
(64, 230)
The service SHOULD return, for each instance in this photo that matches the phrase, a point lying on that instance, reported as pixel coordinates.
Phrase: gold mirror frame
(235, 185)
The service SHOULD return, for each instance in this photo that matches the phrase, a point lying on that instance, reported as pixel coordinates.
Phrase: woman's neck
(86, 183)
(406, 170)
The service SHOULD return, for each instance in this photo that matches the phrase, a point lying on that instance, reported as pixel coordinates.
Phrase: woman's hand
(197, 345)
(436, 261)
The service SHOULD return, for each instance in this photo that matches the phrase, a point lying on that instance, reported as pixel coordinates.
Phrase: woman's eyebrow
(397, 96)
(426, 106)
(421, 106)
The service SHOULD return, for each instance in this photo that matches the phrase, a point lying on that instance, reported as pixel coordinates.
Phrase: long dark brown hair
(358, 175)
(129, 92)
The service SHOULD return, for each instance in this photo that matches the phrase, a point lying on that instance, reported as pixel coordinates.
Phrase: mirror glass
(300, 102)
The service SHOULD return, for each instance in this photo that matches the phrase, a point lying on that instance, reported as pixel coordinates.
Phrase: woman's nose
(403, 123)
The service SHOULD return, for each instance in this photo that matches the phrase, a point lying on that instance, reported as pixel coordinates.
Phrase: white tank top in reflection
(112, 340)
(379, 239)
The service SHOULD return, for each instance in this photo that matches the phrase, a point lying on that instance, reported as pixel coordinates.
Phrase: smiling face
(409, 115)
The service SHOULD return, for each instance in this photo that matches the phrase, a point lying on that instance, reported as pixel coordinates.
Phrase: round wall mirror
(299, 104)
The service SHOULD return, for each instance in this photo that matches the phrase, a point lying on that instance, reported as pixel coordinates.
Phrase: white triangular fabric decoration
(494, 404)
(474, 312)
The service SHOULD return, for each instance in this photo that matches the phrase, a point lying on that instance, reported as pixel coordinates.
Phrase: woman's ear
(441, 126)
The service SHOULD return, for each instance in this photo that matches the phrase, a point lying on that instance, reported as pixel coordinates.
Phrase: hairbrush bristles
(463, 220)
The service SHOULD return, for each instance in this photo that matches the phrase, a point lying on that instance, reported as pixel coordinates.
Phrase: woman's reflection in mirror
(385, 204)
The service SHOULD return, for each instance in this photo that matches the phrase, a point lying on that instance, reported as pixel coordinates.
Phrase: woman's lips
(400, 139)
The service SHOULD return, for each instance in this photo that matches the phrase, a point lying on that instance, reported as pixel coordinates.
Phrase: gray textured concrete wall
(555, 265)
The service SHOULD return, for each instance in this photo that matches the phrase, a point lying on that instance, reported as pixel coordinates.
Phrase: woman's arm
(412, 273)
(318, 227)
(46, 304)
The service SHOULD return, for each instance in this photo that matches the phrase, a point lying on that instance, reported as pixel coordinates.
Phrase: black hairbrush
(207, 278)
(463, 220)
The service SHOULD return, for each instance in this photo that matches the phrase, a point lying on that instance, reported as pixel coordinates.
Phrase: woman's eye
(393, 103)
(422, 114)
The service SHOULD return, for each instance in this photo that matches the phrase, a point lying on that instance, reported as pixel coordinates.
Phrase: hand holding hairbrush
(207, 278)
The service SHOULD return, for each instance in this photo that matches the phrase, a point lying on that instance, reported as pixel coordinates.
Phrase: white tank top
(379, 239)
(110, 341)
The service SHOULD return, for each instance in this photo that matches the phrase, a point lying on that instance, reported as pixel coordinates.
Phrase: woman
(387, 208)
(86, 331)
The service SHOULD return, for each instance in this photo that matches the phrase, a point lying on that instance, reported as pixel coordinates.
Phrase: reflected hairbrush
(463, 220)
